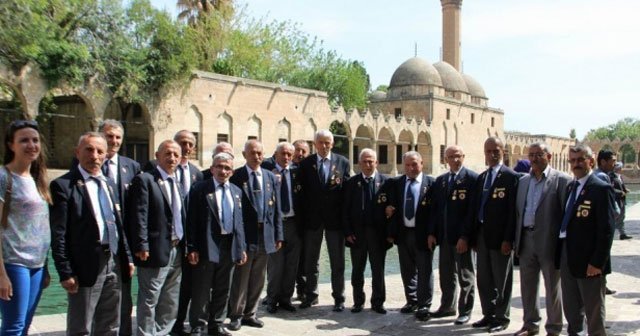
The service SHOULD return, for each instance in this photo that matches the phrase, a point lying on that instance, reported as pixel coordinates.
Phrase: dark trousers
(495, 281)
(126, 308)
(456, 269)
(210, 288)
(336, 248)
(283, 265)
(368, 245)
(416, 269)
(582, 297)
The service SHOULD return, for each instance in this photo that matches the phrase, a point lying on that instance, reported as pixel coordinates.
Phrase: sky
(549, 65)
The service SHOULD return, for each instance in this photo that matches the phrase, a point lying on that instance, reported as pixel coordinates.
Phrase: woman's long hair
(39, 166)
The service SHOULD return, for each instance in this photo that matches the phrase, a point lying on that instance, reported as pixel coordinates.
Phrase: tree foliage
(135, 50)
(627, 128)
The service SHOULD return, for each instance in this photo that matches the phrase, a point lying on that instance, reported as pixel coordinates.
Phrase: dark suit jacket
(323, 203)
(451, 207)
(75, 243)
(353, 212)
(203, 223)
(296, 192)
(195, 173)
(423, 210)
(127, 169)
(591, 227)
(499, 211)
(150, 219)
(272, 226)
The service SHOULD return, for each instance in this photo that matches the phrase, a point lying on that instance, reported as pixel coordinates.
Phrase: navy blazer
(323, 202)
(127, 170)
(75, 245)
(499, 212)
(296, 192)
(353, 211)
(272, 226)
(591, 228)
(203, 223)
(423, 210)
(451, 207)
(150, 219)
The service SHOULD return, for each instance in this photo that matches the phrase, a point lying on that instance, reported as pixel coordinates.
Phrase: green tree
(627, 128)
(572, 133)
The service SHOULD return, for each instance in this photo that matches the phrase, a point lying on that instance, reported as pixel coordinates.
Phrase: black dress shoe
(497, 326)
(308, 303)
(485, 322)
(252, 322)
(287, 306)
(441, 313)
(338, 307)
(609, 291)
(197, 332)
(219, 330)
(625, 237)
(423, 314)
(408, 308)
(462, 319)
(527, 332)
(379, 309)
(356, 308)
(301, 297)
(272, 308)
(234, 324)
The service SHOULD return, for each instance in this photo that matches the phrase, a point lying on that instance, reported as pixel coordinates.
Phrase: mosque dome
(415, 71)
(378, 95)
(451, 79)
(475, 89)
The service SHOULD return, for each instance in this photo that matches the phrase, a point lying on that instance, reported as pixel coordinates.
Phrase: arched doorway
(137, 128)
(340, 133)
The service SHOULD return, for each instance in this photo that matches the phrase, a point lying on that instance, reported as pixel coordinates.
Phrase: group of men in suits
(208, 242)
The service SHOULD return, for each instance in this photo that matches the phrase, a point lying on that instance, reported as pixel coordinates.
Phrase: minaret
(451, 32)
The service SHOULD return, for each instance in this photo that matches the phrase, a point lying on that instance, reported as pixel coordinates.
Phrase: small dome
(415, 71)
(475, 89)
(451, 78)
(378, 95)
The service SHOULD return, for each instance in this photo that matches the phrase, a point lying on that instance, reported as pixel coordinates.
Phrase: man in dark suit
(88, 243)
(539, 209)
(283, 265)
(215, 242)
(365, 230)
(322, 175)
(492, 230)
(584, 245)
(408, 230)
(121, 170)
(156, 215)
(301, 151)
(452, 194)
(263, 235)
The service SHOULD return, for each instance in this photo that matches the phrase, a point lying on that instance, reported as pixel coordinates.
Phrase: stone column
(350, 145)
(394, 165)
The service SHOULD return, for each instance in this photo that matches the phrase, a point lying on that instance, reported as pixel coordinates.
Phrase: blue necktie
(569, 209)
(409, 204)
(321, 174)
(485, 193)
(106, 167)
(227, 213)
(110, 236)
(452, 177)
(257, 197)
(176, 208)
(284, 193)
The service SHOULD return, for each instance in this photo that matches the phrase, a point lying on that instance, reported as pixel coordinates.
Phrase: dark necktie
(568, 211)
(227, 213)
(321, 174)
(452, 178)
(284, 192)
(257, 196)
(368, 192)
(106, 168)
(183, 179)
(110, 236)
(409, 204)
(176, 208)
(485, 193)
